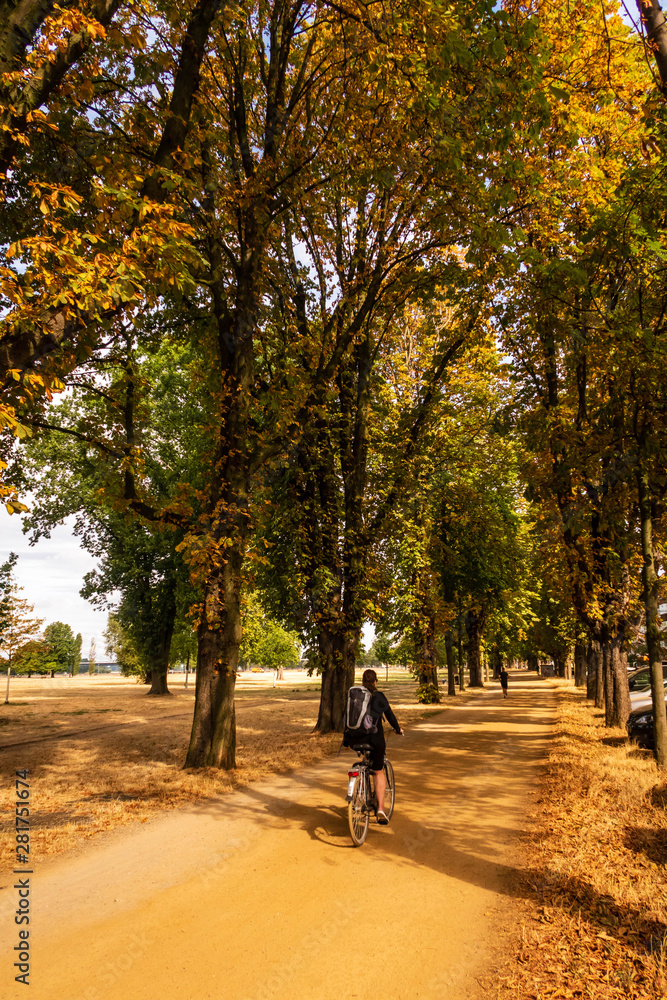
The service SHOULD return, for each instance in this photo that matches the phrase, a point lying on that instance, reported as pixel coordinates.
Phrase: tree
(269, 381)
(119, 645)
(72, 158)
(264, 640)
(320, 188)
(459, 537)
(60, 642)
(653, 28)
(383, 649)
(120, 399)
(554, 627)
(92, 653)
(184, 646)
(59, 39)
(33, 657)
(17, 625)
(282, 62)
(571, 299)
(335, 499)
(76, 654)
(6, 583)
(278, 649)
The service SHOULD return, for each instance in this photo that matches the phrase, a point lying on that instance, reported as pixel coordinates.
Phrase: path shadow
(489, 749)
(598, 911)
(651, 843)
(658, 796)
(614, 741)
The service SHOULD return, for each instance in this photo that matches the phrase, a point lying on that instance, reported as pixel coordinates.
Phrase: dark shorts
(376, 741)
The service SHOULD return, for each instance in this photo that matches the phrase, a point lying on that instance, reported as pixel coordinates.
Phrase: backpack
(358, 711)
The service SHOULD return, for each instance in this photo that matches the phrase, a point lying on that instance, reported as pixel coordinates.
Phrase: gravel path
(260, 895)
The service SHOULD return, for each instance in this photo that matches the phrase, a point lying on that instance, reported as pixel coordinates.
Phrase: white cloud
(51, 574)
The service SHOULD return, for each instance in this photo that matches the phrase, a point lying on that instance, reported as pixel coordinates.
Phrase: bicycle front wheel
(357, 812)
(390, 791)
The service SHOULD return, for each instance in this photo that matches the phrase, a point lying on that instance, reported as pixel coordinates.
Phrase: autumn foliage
(358, 307)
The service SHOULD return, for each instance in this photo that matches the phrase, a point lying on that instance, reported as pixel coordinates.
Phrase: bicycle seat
(361, 746)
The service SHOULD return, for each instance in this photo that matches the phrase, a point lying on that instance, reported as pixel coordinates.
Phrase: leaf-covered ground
(594, 923)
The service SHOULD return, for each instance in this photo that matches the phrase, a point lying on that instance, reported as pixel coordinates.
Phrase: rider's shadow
(326, 824)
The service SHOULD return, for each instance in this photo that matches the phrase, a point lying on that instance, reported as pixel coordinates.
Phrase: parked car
(642, 678)
(642, 696)
(640, 727)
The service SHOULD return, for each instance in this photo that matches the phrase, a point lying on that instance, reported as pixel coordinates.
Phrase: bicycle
(361, 793)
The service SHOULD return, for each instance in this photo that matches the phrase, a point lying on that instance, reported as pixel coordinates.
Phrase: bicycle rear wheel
(357, 811)
(390, 791)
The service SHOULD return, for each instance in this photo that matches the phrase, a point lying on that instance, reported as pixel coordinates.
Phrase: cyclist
(379, 706)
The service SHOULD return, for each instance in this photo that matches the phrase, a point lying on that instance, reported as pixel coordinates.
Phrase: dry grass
(594, 923)
(128, 765)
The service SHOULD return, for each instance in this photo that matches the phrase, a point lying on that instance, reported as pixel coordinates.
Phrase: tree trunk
(160, 665)
(213, 737)
(449, 653)
(607, 681)
(473, 630)
(158, 681)
(617, 706)
(560, 663)
(579, 663)
(656, 35)
(426, 665)
(459, 650)
(533, 663)
(593, 668)
(651, 589)
(337, 661)
(162, 604)
(599, 677)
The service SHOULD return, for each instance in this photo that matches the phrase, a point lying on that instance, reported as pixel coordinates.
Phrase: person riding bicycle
(378, 707)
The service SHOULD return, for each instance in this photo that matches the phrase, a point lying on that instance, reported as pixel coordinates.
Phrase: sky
(51, 574)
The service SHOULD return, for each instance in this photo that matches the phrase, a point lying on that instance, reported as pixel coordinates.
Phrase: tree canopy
(316, 314)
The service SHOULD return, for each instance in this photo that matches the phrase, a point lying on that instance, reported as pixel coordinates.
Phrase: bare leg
(380, 786)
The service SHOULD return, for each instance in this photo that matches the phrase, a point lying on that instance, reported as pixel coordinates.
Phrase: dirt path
(261, 896)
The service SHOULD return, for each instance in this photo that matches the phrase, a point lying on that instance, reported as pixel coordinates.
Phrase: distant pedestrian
(504, 677)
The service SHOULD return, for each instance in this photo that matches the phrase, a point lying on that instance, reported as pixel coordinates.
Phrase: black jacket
(379, 706)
